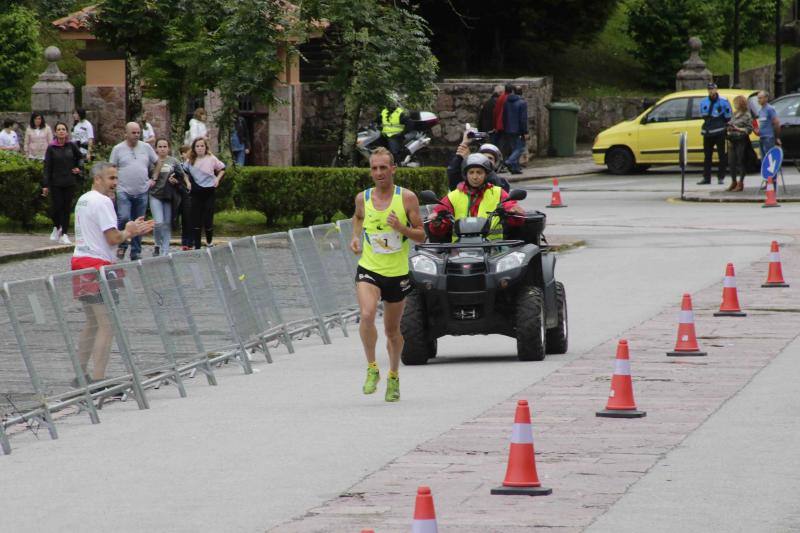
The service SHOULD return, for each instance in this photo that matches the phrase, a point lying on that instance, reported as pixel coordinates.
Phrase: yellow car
(652, 137)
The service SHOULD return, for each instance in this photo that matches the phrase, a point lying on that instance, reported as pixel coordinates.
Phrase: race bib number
(389, 242)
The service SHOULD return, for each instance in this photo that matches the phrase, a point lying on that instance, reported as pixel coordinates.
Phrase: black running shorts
(393, 289)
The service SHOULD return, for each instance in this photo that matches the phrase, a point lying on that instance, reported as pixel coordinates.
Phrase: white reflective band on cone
(522, 434)
(556, 189)
(622, 367)
(729, 282)
(424, 526)
(686, 317)
(774, 257)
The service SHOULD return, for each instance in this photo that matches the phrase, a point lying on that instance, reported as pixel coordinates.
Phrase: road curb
(35, 254)
(702, 200)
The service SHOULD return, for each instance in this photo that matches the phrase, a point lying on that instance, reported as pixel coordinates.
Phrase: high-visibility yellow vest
(491, 198)
(390, 123)
(384, 250)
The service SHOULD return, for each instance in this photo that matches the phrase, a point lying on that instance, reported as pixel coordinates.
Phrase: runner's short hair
(382, 151)
(99, 167)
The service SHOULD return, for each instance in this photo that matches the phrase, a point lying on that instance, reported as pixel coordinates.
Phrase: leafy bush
(20, 189)
(19, 42)
(313, 191)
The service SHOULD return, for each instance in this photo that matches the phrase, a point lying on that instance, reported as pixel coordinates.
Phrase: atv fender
(549, 282)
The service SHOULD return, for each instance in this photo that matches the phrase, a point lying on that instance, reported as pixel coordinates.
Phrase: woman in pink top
(37, 136)
(205, 173)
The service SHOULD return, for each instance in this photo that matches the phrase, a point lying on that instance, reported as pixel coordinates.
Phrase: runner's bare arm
(416, 232)
(358, 224)
(133, 228)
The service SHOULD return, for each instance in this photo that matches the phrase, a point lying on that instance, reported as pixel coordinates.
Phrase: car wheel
(417, 347)
(529, 324)
(619, 160)
(557, 338)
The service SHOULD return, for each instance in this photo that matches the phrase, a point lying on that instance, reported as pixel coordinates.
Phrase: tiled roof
(76, 22)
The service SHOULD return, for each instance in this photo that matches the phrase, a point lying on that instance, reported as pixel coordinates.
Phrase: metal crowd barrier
(260, 291)
(204, 296)
(293, 296)
(316, 278)
(163, 318)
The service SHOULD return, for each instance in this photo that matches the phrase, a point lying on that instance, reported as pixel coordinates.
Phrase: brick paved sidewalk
(589, 462)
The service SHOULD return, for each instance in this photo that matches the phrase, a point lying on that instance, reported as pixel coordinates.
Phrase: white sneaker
(64, 239)
(55, 234)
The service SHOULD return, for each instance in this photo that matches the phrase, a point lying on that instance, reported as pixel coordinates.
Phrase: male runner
(386, 218)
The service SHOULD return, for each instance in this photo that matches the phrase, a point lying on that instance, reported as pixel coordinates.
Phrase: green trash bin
(563, 128)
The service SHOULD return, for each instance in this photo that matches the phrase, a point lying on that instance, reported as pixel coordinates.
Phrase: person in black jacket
(454, 172)
(62, 168)
(486, 116)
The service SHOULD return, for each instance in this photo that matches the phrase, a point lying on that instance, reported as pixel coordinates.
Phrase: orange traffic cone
(555, 198)
(521, 477)
(771, 200)
(775, 275)
(730, 298)
(424, 513)
(620, 400)
(367, 531)
(687, 340)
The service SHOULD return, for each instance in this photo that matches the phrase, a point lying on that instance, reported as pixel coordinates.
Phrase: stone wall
(599, 113)
(458, 102)
(105, 109)
(763, 78)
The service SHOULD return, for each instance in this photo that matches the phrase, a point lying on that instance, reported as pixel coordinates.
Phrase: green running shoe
(392, 389)
(373, 377)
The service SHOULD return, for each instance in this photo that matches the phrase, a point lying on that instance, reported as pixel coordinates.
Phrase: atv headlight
(512, 260)
(423, 265)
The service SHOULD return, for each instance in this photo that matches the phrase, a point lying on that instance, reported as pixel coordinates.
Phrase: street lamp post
(778, 67)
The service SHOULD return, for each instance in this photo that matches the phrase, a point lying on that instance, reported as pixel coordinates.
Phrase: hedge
(20, 188)
(280, 192)
(277, 192)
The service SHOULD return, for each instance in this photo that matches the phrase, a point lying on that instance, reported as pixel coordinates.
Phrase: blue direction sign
(771, 162)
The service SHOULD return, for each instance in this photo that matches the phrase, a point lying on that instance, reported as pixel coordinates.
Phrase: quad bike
(478, 286)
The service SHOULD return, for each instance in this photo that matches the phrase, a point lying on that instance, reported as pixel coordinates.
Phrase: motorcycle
(416, 136)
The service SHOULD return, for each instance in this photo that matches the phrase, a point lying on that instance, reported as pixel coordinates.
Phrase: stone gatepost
(52, 95)
(694, 74)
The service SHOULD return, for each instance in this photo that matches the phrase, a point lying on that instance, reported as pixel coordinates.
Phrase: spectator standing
(96, 240)
(184, 202)
(499, 106)
(37, 137)
(9, 140)
(168, 176)
(240, 140)
(739, 129)
(134, 161)
(62, 168)
(197, 126)
(83, 133)
(716, 112)
(515, 128)
(486, 115)
(769, 126)
(148, 133)
(205, 173)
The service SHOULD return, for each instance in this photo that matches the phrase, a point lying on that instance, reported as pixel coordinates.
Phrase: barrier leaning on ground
(165, 318)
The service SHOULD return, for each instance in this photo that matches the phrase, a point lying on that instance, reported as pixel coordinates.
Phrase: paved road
(261, 449)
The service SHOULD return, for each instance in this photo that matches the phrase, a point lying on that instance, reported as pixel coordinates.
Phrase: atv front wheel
(417, 347)
(529, 323)
(557, 338)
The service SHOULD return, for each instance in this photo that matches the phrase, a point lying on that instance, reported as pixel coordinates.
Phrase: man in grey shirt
(134, 160)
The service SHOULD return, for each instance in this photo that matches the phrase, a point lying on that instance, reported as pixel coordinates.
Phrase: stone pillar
(52, 95)
(694, 74)
(281, 127)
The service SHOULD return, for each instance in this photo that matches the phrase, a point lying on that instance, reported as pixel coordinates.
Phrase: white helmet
(489, 148)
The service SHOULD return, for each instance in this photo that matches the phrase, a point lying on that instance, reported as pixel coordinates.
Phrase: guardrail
(77, 339)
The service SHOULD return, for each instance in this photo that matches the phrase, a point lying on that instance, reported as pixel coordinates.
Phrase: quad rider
(475, 197)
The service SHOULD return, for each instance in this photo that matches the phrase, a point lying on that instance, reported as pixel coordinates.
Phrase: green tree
(138, 28)
(377, 48)
(661, 31)
(19, 43)
(246, 56)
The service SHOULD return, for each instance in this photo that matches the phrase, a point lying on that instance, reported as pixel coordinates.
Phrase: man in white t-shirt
(96, 241)
(83, 133)
(8, 137)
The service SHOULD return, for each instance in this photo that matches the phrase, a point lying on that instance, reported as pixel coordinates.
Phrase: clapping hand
(140, 226)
